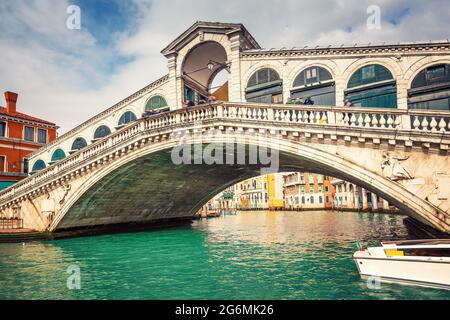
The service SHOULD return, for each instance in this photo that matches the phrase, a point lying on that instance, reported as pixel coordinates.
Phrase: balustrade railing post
(270, 114)
(331, 115)
(405, 122)
(219, 111)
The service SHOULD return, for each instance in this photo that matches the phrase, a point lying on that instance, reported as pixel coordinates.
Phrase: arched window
(58, 155)
(102, 132)
(126, 118)
(430, 89)
(79, 144)
(38, 166)
(317, 84)
(372, 86)
(156, 103)
(265, 86)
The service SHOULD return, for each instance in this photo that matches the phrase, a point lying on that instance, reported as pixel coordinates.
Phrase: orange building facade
(20, 134)
(308, 191)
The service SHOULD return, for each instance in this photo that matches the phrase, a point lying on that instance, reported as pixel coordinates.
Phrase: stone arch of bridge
(147, 172)
(201, 64)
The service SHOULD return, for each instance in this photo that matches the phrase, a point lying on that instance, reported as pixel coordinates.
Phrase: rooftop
(24, 116)
(248, 41)
(312, 48)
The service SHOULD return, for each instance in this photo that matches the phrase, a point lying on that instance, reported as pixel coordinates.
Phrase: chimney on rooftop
(11, 100)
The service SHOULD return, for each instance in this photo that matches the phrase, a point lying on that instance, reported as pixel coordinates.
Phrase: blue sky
(68, 76)
(105, 18)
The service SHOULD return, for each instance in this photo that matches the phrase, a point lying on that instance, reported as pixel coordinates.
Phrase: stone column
(374, 201)
(234, 79)
(402, 102)
(173, 99)
(340, 87)
(364, 199)
(386, 205)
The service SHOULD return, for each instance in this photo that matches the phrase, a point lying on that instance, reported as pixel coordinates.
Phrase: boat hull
(429, 273)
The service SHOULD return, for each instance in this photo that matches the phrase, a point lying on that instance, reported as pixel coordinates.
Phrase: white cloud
(60, 74)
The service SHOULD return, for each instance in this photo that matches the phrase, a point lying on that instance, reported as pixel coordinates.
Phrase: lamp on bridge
(212, 64)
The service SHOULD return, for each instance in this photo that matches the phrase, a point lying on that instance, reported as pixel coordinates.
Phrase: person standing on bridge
(188, 104)
(298, 100)
(212, 99)
(291, 112)
(309, 101)
(347, 103)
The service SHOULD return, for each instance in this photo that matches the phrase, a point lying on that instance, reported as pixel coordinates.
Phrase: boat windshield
(417, 242)
(419, 252)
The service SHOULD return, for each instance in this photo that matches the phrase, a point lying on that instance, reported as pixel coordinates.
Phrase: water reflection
(258, 255)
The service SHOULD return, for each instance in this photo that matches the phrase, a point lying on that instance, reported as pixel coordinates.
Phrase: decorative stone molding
(402, 49)
(393, 169)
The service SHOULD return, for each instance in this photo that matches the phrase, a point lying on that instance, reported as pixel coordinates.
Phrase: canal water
(252, 255)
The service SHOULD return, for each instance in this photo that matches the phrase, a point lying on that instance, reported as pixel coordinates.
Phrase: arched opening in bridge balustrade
(101, 132)
(205, 73)
(430, 89)
(156, 103)
(126, 118)
(315, 83)
(78, 144)
(57, 155)
(372, 86)
(38, 166)
(265, 86)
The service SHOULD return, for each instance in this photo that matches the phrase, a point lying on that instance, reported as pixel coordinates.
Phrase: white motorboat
(415, 262)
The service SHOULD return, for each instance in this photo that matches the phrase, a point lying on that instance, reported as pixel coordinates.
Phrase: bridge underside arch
(150, 187)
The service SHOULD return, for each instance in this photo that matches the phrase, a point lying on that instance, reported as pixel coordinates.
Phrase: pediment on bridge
(200, 27)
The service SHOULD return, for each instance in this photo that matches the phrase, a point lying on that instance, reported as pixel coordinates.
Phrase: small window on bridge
(126, 118)
(38, 166)
(79, 144)
(156, 103)
(58, 155)
(101, 132)
(265, 86)
(430, 89)
(317, 84)
(372, 86)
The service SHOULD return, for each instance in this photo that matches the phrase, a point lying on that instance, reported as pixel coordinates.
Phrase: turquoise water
(248, 256)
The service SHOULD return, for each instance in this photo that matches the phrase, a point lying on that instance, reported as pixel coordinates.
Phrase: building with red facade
(20, 134)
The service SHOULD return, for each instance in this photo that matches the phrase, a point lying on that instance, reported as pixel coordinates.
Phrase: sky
(68, 75)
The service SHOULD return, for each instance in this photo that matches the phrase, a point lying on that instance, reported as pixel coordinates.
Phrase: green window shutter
(369, 74)
(157, 102)
(58, 155)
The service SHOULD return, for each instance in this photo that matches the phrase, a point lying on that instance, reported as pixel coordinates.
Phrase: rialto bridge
(391, 136)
